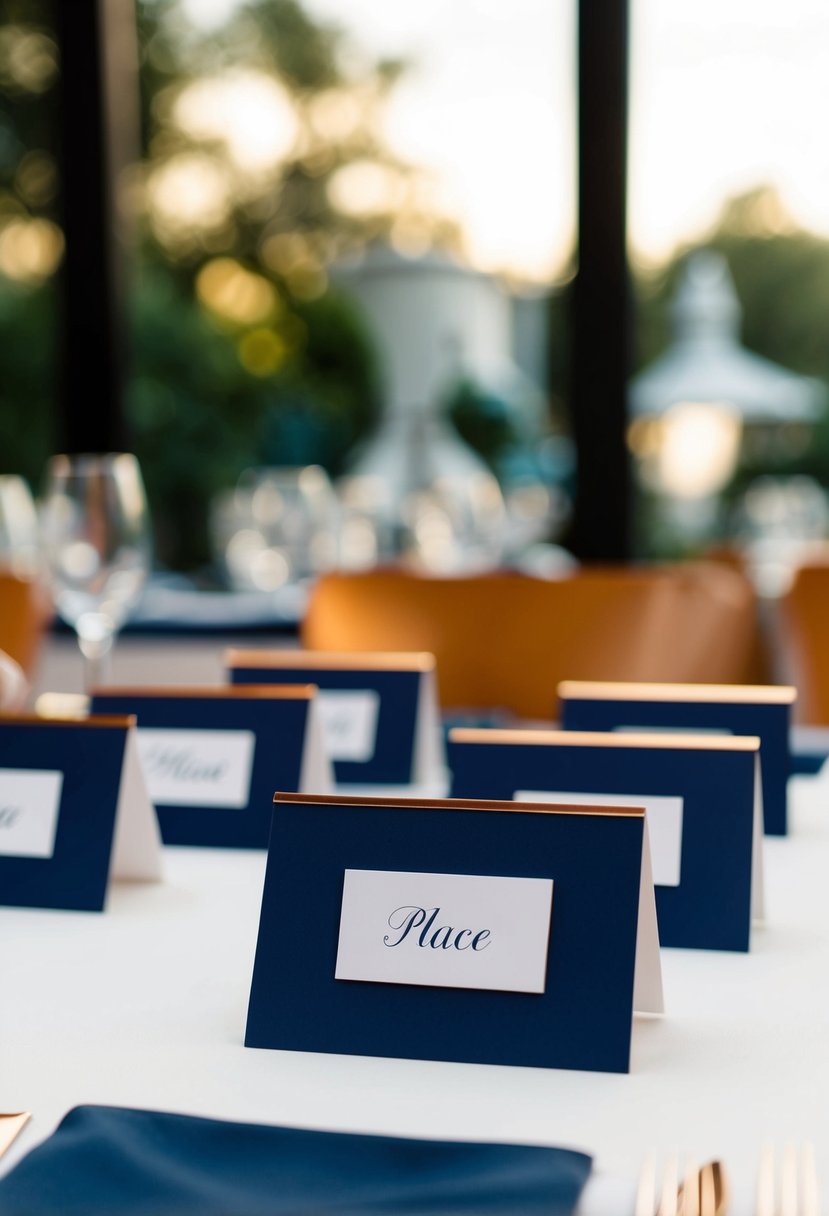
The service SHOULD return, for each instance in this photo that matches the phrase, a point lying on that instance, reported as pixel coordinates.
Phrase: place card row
(517, 922)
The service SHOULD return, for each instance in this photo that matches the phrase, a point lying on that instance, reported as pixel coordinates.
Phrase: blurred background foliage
(263, 164)
(260, 153)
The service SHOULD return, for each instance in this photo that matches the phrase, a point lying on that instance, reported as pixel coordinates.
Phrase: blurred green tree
(30, 242)
(262, 163)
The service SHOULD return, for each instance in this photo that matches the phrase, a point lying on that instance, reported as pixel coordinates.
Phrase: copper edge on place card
(740, 694)
(10, 1128)
(282, 798)
(209, 692)
(667, 741)
(331, 660)
(105, 721)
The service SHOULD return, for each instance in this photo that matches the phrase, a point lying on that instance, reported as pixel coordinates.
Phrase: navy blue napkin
(108, 1161)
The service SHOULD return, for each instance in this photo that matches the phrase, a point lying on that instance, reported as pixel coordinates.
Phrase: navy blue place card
(703, 799)
(479, 932)
(738, 709)
(74, 812)
(379, 712)
(211, 756)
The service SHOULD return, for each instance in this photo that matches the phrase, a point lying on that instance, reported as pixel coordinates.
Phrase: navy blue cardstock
(278, 717)
(761, 710)
(583, 1018)
(90, 755)
(397, 679)
(712, 906)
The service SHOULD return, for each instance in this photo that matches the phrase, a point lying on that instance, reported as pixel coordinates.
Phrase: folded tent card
(74, 812)
(703, 800)
(212, 755)
(497, 933)
(379, 712)
(739, 709)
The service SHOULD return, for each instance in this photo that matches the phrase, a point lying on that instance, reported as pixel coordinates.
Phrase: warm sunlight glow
(366, 188)
(335, 114)
(724, 98)
(504, 164)
(188, 192)
(705, 123)
(249, 112)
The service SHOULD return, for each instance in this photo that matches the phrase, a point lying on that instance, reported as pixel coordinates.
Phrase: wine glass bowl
(277, 528)
(96, 546)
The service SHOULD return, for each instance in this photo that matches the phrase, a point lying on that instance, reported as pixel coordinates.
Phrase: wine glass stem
(97, 669)
(95, 638)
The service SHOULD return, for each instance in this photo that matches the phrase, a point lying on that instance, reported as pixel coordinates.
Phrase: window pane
(728, 159)
(281, 141)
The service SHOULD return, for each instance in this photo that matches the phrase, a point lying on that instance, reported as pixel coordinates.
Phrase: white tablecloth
(145, 1006)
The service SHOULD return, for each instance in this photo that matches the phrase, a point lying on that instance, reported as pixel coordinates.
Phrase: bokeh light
(235, 294)
(248, 112)
(30, 250)
(190, 191)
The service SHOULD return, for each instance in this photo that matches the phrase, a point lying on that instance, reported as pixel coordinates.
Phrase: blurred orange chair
(25, 612)
(506, 640)
(803, 620)
(761, 661)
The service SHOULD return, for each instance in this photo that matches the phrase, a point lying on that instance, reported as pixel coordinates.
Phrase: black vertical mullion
(600, 307)
(98, 83)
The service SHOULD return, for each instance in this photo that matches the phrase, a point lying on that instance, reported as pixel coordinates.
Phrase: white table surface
(145, 1005)
(152, 659)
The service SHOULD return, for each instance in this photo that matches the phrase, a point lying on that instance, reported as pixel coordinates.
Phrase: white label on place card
(349, 722)
(197, 767)
(445, 930)
(29, 805)
(663, 815)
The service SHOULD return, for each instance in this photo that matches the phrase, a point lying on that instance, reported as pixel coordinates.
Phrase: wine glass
(277, 528)
(96, 545)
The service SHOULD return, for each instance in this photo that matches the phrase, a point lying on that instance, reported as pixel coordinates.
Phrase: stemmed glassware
(277, 528)
(96, 545)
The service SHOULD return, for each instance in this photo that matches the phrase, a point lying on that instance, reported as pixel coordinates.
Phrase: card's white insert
(29, 809)
(445, 930)
(663, 815)
(349, 722)
(197, 767)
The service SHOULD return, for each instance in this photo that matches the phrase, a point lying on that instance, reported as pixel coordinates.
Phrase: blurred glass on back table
(96, 543)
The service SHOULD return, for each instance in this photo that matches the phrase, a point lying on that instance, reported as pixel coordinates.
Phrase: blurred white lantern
(692, 406)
